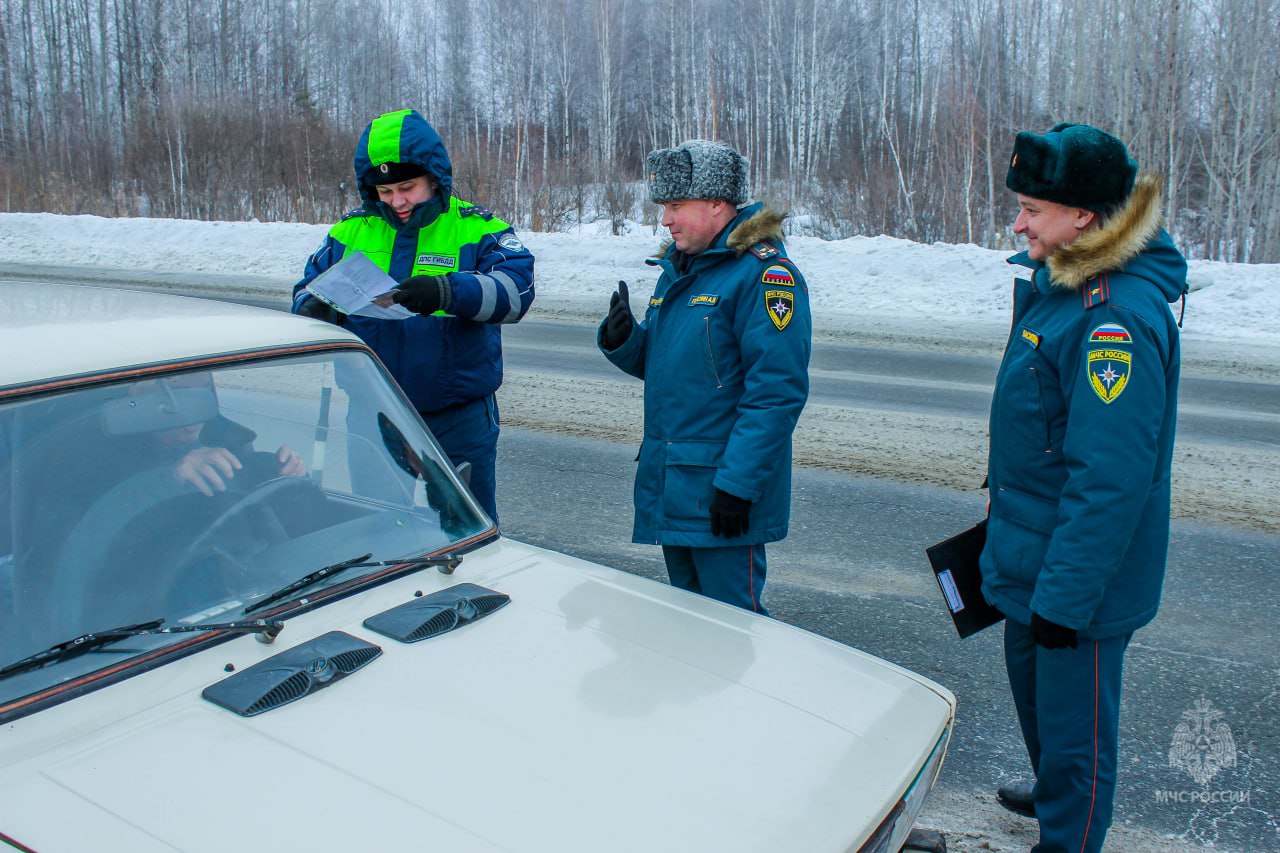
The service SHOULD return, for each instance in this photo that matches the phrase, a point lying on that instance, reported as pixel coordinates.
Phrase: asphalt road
(939, 383)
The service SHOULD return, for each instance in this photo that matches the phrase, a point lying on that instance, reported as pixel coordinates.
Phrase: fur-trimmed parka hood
(1130, 240)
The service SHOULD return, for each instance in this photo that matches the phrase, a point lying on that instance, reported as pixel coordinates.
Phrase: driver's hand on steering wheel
(207, 468)
(291, 464)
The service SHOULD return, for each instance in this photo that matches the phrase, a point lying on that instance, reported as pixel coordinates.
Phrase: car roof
(56, 331)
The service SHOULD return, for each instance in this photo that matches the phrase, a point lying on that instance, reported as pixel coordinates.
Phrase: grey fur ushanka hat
(697, 169)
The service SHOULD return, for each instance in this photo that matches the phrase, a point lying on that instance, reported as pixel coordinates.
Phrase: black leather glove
(1051, 635)
(617, 325)
(730, 515)
(318, 309)
(424, 294)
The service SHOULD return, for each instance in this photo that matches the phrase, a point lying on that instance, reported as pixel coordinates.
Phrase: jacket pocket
(1020, 531)
(711, 354)
(690, 471)
(1037, 409)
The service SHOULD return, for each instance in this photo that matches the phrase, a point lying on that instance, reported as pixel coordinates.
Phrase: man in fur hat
(724, 352)
(1082, 425)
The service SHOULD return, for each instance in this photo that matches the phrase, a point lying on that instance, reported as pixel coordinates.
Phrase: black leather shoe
(1018, 796)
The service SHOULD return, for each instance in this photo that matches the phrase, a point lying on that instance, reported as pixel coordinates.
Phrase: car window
(187, 495)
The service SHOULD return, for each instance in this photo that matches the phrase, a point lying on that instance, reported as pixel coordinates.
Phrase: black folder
(955, 566)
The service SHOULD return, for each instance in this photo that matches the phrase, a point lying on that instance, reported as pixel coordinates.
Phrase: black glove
(730, 515)
(1051, 635)
(617, 325)
(318, 309)
(424, 294)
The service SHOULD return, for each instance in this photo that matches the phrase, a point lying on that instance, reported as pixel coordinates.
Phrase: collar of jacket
(423, 214)
(755, 223)
(1119, 240)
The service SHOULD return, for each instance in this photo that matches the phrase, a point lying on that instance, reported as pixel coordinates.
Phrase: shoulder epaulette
(476, 210)
(353, 213)
(765, 252)
(1095, 292)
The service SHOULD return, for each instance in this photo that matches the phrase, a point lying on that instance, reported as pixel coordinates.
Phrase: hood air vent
(292, 674)
(437, 613)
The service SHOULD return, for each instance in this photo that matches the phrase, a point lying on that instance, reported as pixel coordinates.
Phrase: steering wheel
(99, 580)
(249, 525)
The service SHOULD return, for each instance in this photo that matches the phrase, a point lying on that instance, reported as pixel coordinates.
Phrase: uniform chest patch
(1110, 333)
(655, 301)
(704, 299)
(1031, 337)
(428, 260)
(781, 305)
(778, 276)
(1108, 372)
(511, 243)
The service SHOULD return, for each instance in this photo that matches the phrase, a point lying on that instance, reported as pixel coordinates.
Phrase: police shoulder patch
(475, 210)
(511, 242)
(780, 305)
(1108, 371)
(764, 251)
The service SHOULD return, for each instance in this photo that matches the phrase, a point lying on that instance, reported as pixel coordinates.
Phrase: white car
(246, 604)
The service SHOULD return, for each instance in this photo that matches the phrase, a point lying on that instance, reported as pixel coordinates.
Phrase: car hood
(596, 711)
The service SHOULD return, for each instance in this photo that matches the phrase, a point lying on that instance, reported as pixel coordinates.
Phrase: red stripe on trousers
(1093, 798)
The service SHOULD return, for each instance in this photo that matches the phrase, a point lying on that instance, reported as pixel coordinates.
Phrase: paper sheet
(352, 285)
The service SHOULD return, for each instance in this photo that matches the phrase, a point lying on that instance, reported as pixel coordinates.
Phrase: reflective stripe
(513, 295)
(488, 298)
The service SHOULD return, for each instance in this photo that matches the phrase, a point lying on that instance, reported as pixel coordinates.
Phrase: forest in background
(859, 116)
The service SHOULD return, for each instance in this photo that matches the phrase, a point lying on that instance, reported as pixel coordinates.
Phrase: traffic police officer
(723, 351)
(462, 270)
(1082, 428)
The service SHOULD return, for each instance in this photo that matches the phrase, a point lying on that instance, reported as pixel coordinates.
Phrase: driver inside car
(203, 448)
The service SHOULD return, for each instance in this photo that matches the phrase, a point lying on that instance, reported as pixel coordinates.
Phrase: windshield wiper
(266, 629)
(447, 564)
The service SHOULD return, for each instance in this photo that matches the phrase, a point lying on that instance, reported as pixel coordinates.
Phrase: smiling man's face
(1048, 225)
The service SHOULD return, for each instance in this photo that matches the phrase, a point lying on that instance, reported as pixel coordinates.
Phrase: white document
(352, 284)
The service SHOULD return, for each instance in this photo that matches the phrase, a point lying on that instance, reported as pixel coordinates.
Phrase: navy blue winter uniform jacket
(1082, 429)
(724, 352)
(440, 361)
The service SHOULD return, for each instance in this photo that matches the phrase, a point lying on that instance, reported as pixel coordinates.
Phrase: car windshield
(188, 496)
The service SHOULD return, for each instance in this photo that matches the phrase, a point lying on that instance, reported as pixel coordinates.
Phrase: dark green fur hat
(1073, 164)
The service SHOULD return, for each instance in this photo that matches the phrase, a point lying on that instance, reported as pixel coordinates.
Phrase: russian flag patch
(1110, 333)
(778, 276)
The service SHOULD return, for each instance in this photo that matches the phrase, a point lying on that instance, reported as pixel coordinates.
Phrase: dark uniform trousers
(733, 574)
(468, 432)
(1068, 703)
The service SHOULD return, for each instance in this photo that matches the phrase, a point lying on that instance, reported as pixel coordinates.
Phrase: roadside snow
(864, 285)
